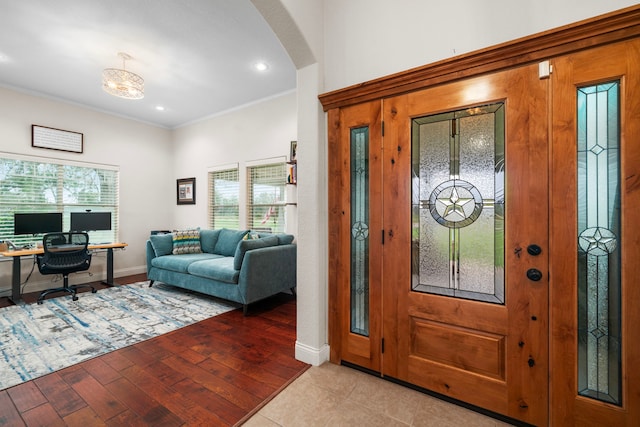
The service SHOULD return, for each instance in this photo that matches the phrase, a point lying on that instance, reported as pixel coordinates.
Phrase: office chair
(64, 253)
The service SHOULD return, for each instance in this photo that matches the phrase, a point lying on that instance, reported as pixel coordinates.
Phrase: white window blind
(224, 194)
(266, 197)
(48, 186)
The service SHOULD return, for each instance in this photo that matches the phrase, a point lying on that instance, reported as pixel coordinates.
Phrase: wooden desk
(17, 254)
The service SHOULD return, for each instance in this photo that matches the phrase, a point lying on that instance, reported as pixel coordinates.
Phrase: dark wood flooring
(216, 372)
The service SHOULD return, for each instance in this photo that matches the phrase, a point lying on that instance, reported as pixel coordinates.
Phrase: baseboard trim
(311, 355)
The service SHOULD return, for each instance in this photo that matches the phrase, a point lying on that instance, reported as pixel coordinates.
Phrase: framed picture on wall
(186, 191)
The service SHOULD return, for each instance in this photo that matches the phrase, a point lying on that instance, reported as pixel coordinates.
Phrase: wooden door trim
(604, 29)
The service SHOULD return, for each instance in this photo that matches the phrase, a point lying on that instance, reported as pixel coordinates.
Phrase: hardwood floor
(216, 372)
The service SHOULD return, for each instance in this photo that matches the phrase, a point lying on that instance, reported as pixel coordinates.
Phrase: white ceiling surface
(197, 57)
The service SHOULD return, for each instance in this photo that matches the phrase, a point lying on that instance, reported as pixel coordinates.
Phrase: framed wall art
(56, 139)
(186, 191)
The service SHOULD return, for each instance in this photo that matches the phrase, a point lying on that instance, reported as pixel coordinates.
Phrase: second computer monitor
(90, 221)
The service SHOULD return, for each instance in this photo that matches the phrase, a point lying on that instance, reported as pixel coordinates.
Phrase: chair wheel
(40, 301)
(74, 298)
(94, 290)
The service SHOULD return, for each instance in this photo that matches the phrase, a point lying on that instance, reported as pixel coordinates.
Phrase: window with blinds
(266, 197)
(224, 194)
(47, 186)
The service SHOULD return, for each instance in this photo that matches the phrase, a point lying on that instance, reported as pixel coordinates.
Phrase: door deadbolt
(534, 249)
(534, 274)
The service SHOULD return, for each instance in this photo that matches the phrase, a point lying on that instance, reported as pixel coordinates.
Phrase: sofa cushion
(247, 245)
(208, 240)
(285, 239)
(228, 241)
(162, 244)
(186, 242)
(220, 269)
(180, 263)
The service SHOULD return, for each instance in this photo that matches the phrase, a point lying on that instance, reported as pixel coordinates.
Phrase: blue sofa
(235, 265)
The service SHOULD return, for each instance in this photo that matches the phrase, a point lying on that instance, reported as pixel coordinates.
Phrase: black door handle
(534, 274)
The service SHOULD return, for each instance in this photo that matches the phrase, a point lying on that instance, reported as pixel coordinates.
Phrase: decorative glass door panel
(458, 203)
(360, 231)
(599, 230)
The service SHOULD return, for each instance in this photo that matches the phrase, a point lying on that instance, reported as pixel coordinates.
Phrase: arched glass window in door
(458, 203)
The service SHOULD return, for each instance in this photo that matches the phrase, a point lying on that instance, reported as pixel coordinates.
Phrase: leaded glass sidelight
(599, 231)
(359, 175)
(458, 204)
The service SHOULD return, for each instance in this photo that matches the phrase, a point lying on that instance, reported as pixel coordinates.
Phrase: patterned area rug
(38, 339)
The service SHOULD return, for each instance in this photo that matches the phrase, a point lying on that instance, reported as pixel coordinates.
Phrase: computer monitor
(90, 221)
(37, 223)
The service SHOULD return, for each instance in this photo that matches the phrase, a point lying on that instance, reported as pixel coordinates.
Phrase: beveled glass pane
(599, 257)
(458, 204)
(359, 178)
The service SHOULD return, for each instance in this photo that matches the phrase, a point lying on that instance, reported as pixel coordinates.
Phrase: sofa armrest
(267, 271)
(151, 254)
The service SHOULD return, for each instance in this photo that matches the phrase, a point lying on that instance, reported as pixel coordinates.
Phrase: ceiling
(197, 57)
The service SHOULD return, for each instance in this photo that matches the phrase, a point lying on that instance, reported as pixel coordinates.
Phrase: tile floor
(332, 395)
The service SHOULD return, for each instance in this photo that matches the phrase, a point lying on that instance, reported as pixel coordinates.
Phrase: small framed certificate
(186, 191)
(56, 139)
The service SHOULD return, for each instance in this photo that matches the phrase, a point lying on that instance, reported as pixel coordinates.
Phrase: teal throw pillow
(228, 241)
(247, 245)
(162, 244)
(186, 242)
(208, 240)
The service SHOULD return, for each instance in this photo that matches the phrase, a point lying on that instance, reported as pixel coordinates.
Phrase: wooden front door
(595, 238)
(516, 289)
(465, 253)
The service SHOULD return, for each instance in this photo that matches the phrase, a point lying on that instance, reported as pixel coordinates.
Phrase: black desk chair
(64, 253)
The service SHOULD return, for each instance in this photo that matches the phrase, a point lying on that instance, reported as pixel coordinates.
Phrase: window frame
(62, 199)
(220, 172)
(279, 180)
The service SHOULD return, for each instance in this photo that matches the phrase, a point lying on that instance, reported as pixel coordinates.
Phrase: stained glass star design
(598, 241)
(360, 230)
(454, 205)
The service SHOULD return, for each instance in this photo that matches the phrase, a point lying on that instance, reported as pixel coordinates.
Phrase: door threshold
(486, 412)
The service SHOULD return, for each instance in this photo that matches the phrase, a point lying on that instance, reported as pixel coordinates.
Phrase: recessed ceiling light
(261, 66)
(159, 108)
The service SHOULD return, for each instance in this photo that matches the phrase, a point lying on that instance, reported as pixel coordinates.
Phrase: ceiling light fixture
(123, 83)
(261, 66)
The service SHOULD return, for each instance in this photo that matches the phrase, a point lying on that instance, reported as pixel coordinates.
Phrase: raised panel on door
(461, 315)
(355, 217)
(595, 237)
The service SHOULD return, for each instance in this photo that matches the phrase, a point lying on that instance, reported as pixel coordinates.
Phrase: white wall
(142, 152)
(367, 39)
(360, 40)
(257, 131)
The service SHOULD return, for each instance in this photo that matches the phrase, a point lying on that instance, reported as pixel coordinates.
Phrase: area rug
(36, 339)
